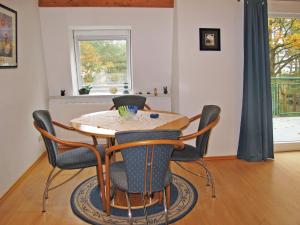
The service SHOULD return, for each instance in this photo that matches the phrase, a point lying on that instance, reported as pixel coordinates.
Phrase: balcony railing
(286, 96)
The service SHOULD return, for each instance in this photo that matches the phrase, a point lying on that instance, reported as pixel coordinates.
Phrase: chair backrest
(208, 115)
(125, 100)
(147, 164)
(42, 119)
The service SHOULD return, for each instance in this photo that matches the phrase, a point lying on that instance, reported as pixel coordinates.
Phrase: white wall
(22, 90)
(151, 42)
(210, 77)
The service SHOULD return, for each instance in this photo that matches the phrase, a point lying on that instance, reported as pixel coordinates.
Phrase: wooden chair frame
(210, 126)
(73, 129)
(76, 145)
(109, 151)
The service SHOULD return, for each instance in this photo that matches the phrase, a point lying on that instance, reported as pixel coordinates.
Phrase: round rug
(87, 206)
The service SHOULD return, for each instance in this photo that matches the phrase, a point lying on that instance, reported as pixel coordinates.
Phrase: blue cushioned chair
(76, 155)
(145, 168)
(209, 119)
(136, 100)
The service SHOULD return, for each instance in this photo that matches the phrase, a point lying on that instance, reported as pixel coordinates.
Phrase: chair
(145, 168)
(209, 119)
(136, 100)
(76, 155)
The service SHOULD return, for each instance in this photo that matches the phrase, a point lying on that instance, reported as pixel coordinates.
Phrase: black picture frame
(210, 39)
(8, 38)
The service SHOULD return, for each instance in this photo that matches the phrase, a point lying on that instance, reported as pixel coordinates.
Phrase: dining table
(105, 124)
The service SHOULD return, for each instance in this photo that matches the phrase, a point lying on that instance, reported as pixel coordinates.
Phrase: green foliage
(284, 42)
(103, 57)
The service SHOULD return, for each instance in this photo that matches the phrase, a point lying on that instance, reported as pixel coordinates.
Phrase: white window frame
(99, 33)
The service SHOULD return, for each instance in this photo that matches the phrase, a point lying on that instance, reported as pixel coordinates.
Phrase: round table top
(106, 123)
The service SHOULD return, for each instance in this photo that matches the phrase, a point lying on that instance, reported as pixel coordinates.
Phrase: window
(284, 42)
(103, 59)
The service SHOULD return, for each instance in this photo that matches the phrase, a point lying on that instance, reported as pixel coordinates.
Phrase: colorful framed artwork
(8, 38)
(210, 39)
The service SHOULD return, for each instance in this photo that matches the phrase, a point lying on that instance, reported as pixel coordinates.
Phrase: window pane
(284, 42)
(103, 62)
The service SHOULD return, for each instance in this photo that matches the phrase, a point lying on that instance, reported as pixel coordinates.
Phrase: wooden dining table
(105, 124)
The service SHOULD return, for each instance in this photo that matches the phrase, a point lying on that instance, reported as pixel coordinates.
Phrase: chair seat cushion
(119, 179)
(79, 158)
(187, 154)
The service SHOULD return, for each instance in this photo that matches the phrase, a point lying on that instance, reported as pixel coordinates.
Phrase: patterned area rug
(87, 206)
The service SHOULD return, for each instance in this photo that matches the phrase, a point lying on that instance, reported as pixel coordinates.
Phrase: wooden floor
(247, 193)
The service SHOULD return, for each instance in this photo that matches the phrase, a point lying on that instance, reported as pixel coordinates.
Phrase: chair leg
(160, 197)
(50, 178)
(101, 187)
(209, 176)
(166, 208)
(188, 170)
(168, 196)
(45, 195)
(52, 188)
(145, 207)
(130, 221)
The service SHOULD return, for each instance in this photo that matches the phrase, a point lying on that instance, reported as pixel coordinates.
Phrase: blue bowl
(133, 109)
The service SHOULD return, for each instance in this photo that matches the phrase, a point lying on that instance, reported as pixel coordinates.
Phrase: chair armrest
(114, 148)
(200, 132)
(72, 129)
(62, 125)
(147, 107)
(70, 143)
(194, 118)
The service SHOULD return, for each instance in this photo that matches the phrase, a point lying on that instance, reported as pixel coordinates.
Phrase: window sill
(97, 95)
(98, 98)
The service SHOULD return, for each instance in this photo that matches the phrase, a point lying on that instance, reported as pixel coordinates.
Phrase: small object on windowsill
(148, 93)
(125, 91)
(113, 90)
(62, 92)
(140, 93)
(85, 90)
(155, 91)
(165, 90)
(154, 115)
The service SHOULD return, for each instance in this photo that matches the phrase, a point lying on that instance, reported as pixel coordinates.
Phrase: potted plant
(85, 90)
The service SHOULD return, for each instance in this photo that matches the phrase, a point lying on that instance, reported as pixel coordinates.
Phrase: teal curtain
(256, 131)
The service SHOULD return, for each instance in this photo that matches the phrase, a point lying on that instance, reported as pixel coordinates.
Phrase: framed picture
(8, 37)
(210, 39)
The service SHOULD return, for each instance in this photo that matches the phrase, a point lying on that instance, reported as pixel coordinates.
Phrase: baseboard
(286, 146)
(22, 178)
(225, 157)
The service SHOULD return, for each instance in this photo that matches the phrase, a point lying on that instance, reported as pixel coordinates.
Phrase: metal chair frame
(200, 161)
(68, 145)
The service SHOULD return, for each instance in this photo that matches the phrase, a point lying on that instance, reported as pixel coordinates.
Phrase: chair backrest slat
(43, 120)
(208, 115)
(147, 166)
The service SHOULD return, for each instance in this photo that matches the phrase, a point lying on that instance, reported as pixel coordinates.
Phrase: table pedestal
(119, 200)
